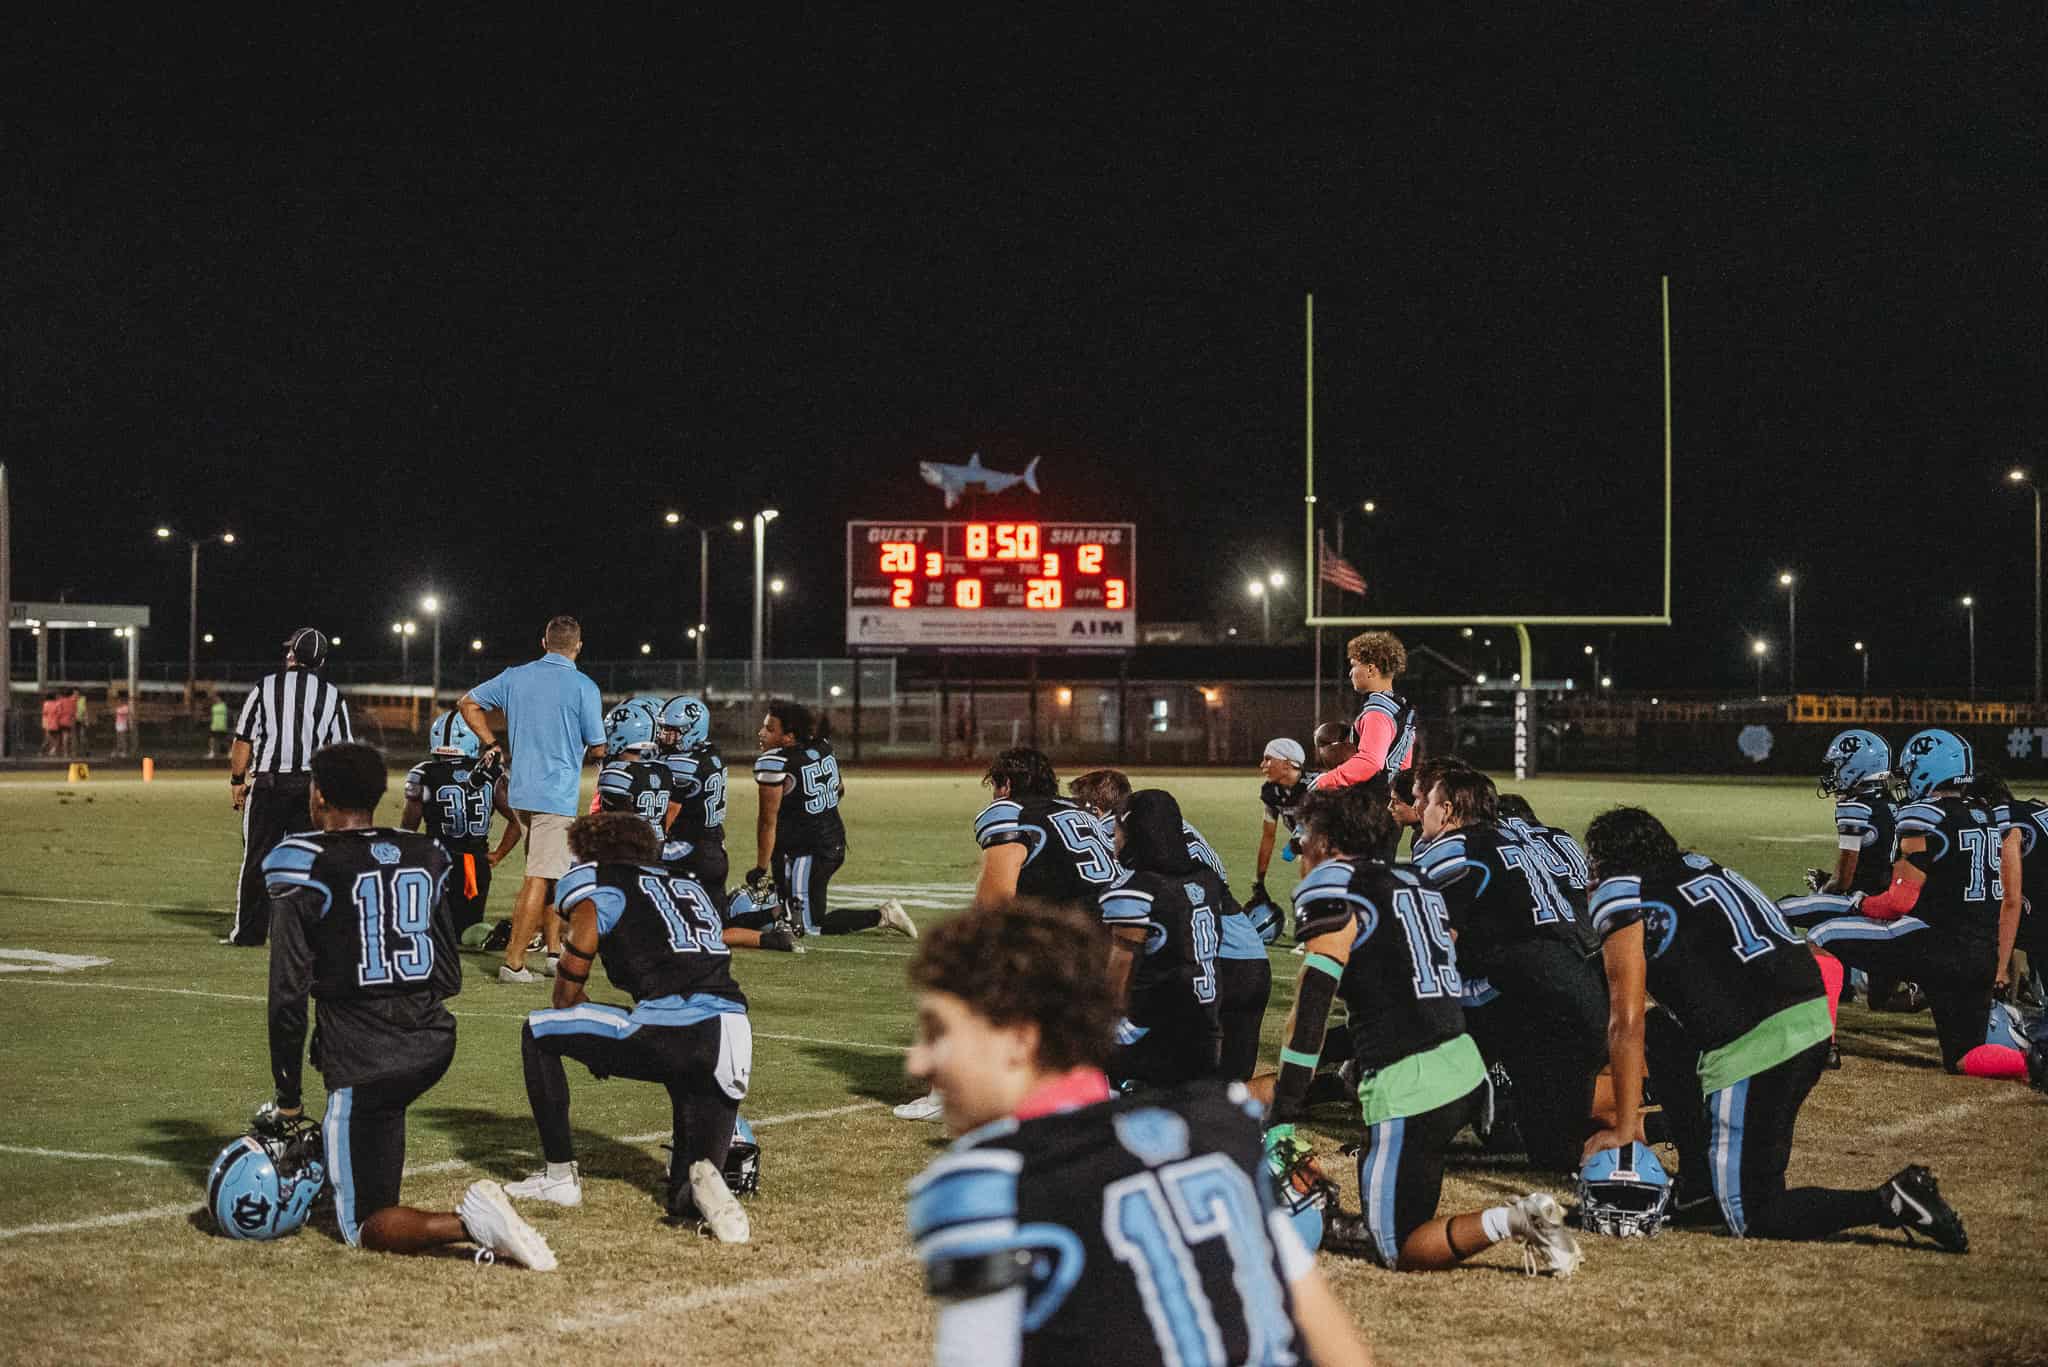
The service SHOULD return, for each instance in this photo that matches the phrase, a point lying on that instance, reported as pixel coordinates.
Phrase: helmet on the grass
(1624, 1192)
(262, 1187)
(743, 1159)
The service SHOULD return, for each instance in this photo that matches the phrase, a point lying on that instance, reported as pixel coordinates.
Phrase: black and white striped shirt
(288, 716)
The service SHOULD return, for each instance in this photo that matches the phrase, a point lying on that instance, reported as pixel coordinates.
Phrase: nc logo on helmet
(251, 1212)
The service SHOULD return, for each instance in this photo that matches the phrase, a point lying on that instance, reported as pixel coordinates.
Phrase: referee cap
(1285, 747)
(307, 647)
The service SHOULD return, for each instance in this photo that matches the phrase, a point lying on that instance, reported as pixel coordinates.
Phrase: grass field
(118, 1082)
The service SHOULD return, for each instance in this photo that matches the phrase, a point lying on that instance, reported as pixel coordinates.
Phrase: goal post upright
(1520, 622)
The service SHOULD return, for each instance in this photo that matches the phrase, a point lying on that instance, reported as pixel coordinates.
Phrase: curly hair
(1353, 820)
(613, 838)
(350, 775)
(1027, 960)
(1380, 649)
(1028, 772)
(1628, 840)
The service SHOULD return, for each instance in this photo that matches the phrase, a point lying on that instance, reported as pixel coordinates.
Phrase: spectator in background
(555, 721)
(67, 722)
(217, 733)
(124, 721)
(80, 735)
(53, 732)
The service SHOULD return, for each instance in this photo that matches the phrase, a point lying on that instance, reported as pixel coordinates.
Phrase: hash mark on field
(672, 1305)
(1955, 1110)
(139, 1158)
(124, 1217)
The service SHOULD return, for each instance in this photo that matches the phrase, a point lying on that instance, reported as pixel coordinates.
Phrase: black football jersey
(808, 774)
(1068, 857)
(659, 935)
(1284, 803)
(1963, 889)
(1146, 1227)
(1499, 892)
(2029, 817)
(1721, 957)
(639, 786)
(1866, 816)
(698, 779)
(1401, 984)
(1173, 985)
(455, 798)
(359, 922)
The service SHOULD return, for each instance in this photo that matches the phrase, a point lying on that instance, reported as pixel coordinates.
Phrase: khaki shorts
(547, 844)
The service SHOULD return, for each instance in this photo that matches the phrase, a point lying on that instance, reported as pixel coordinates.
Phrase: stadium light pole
(403, 631)
(431, 605)
(761, 521)
(1970, 611)
(1790, 583)
(676, 519)
(1588, 650)
(2019, 476)
(1758, 649)
(1864, 655)
(192, 611)
(1257, 589)
(775, 588)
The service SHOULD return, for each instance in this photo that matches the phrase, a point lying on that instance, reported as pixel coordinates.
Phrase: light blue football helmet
(1854, 757)
(1624, 1192)
(1266, 918)
(451, 735)
(689, 718)
(1935, 758)
(743, 1159)
(1300, 1187)
(629, 726)
(262, 1188)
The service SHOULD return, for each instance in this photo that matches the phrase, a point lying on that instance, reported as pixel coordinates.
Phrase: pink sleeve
(1375, 734)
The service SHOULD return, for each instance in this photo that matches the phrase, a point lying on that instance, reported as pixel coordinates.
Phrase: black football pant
(1242, 987)
(704, 1065)
(1956, 975)
(274, 808)
(1548, 1027)
(802, 881)
(1168, 1054)
(1401, 1170)
(363, 1140)
(1739, 1140)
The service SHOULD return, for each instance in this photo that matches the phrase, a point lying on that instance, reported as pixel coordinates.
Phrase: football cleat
(895, 918)
(716, 1206)
(778, 937)
(927, 1107)
(1816, 879)
(500, 935)
(556, 1191)
(493, 1224)
(1916, 1205)
(1349, 1235)
(2037, 1068)
(1538, 1221)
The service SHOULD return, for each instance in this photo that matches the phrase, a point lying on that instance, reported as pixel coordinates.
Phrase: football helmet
(263, 1185)
(1300, 1186)
(1624, 1192)
(451, 735)
(1266, 918)
(743, 1159)
(1854, 757)
(689, 719)
(627, 727)
(1935, 758)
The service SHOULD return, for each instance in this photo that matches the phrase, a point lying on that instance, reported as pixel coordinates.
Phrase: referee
(288, 716)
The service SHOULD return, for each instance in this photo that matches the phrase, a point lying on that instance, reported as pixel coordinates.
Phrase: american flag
(1335, 569)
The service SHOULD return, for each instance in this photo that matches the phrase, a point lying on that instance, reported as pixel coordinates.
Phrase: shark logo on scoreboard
(955, 480)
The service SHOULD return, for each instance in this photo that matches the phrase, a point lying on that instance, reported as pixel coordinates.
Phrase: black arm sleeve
(1304, 1048)
(291, 982)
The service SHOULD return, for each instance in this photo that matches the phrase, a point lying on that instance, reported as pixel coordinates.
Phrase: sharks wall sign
(993, 588)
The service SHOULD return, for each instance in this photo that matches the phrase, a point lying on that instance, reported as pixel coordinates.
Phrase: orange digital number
(1042, 595)
(899, 557)
(933, 563)
(1113, 595)
(1089, 558)
(1051, 566)
(967, 593)
(1027, 541)
(977, 541)
(899, 592)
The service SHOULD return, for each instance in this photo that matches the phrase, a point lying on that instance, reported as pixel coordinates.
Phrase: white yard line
(124, 1217)
(139, 1159)
(664, 1308)
(1955, 1110)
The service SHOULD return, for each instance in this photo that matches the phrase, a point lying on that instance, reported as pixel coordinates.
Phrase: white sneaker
(509, 974)
(895, 918)
(492, 1222)
(546, 966)
(927, 1107)
(1538, 1221)
(560, 1191)
(716, 1205)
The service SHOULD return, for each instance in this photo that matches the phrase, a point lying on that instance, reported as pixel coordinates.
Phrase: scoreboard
(991, 587)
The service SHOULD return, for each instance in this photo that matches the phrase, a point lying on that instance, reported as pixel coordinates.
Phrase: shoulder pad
(964, 1187)
(575, 885)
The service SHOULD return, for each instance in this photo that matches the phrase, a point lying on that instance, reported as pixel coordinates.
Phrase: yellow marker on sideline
(148, 769)
(78, 773)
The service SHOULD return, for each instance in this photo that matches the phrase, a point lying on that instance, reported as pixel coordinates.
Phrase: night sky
(458, 306)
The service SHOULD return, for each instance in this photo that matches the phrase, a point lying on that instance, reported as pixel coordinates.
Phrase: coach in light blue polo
(554, 720)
